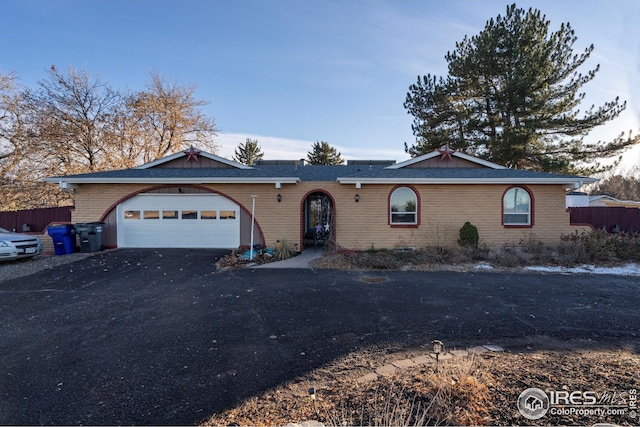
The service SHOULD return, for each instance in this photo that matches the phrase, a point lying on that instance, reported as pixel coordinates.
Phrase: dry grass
(455, 395)
(481, 390)
(594, 247)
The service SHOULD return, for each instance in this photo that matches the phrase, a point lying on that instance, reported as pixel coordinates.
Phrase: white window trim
(392, 213)
(505, 212)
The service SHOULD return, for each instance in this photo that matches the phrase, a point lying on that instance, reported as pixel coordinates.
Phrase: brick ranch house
(197, 199)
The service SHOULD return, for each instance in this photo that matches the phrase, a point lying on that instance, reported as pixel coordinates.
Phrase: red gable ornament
(192, 154)
(446, 153)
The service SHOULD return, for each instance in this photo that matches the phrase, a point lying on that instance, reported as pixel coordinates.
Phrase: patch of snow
(625, 270)
(483, 266)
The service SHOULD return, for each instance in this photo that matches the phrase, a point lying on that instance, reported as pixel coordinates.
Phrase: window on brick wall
(403, 207)
(517, 207)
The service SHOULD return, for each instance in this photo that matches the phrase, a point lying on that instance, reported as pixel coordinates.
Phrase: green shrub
(469, 235)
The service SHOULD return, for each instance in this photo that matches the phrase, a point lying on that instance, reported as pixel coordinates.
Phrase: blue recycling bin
(64, 238)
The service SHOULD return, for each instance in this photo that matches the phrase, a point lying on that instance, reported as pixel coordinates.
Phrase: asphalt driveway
(160, 337)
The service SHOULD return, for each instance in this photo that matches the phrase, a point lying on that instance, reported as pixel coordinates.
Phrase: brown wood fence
(36, 219)
(613, 219)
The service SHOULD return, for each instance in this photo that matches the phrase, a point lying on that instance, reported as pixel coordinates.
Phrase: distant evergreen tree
(248, 152)
(323, 154)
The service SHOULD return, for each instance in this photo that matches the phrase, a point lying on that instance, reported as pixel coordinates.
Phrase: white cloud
(272, 147)
(277, 148)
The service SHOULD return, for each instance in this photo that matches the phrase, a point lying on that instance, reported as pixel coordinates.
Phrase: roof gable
(193, 158)
(454, 159)
(439, 167)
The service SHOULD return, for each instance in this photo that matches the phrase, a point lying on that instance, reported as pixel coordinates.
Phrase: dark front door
(319, 219)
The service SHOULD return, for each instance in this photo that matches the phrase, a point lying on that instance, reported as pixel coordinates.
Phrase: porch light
(279, 198)
(357, 198)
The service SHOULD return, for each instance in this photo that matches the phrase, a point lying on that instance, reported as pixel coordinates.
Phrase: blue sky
(293, 72)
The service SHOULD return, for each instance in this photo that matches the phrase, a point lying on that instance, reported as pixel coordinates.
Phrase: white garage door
(178, 221)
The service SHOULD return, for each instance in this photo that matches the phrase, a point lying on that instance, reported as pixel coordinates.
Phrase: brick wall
(443, 210)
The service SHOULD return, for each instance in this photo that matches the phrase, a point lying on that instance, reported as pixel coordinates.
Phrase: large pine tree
(512, 96)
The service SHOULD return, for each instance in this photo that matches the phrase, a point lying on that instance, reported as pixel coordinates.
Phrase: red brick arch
(115, 204)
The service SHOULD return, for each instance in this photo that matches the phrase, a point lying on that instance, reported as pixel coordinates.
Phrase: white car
(17, 245)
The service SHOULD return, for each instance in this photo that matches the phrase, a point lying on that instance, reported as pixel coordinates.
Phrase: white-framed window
(189, 214)
(151, 215)
(208, 214)
(516, 207)
(169, 214)
(227, 214)
(131, 214)
(403, 207)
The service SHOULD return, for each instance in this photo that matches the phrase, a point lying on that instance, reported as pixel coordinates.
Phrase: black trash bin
(90, 234)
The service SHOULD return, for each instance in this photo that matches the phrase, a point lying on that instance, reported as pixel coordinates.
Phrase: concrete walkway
(304, 260)
(425, 359)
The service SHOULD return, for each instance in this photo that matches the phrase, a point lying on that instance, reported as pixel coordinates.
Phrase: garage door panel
(179, 221)
(189, 236)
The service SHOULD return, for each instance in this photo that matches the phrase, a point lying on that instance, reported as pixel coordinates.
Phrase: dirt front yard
(162, 337)
(465, 389)
(585, 381)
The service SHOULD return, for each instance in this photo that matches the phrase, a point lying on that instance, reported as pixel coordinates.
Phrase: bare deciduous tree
(170, 118)
(19, 160)
(619, 186)
(71, 116)
(76, 123)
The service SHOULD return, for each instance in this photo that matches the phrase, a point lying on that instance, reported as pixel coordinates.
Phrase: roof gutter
(73, 182)
(565, 181)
